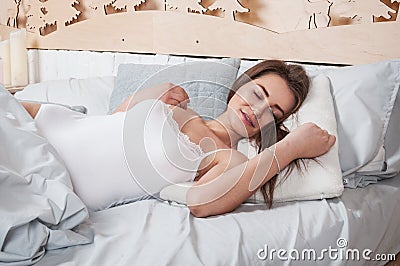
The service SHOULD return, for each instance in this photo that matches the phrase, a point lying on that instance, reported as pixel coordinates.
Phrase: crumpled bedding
(151, 232)
(38, 209)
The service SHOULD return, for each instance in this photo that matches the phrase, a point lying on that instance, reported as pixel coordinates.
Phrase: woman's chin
(244, 133)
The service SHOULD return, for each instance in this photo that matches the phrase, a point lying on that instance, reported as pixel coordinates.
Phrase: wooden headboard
(221, 28)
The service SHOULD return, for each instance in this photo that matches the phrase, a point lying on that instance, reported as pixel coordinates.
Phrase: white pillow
(93, 93)
(319, 181)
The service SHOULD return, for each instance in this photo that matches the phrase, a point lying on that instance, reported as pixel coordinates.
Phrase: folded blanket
(38, 209)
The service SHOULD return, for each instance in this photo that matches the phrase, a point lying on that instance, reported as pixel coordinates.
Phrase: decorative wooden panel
(286, 29)
(275, 15)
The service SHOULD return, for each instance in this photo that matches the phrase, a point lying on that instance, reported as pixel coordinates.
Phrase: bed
(363, 220)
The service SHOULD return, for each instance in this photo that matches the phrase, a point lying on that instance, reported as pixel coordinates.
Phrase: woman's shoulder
(185, 116)
(184, 112)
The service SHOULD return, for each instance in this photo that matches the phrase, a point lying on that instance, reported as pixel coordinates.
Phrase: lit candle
(5, 56)
(18, 58)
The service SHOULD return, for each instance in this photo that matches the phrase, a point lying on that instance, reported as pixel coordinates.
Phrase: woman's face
(258, 103)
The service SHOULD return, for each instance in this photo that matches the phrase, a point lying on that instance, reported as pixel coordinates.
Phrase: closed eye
(274, 114)
(258, 95)
(266, 93)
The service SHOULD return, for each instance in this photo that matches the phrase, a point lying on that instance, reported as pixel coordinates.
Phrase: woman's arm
(223, 189)
(166, 92)
(31, 108)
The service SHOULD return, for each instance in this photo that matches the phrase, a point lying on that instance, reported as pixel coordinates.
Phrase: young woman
(159, 142)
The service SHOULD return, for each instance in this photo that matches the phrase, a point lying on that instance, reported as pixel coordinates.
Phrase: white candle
(5, 56)
(19, 58)
(1, 72)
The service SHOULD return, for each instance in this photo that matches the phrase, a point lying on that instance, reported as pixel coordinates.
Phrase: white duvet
(38, 209)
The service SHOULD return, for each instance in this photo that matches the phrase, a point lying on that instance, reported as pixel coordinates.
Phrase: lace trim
(182, 136)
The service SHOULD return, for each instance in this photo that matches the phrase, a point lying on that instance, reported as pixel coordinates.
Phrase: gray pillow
(207, 83)
(368, 116)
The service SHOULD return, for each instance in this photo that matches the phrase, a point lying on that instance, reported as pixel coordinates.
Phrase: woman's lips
(246, 119)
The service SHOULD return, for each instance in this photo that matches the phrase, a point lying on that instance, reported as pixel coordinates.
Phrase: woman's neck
(220, 127)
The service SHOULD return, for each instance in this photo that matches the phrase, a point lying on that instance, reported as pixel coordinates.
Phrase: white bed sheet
(150, 232)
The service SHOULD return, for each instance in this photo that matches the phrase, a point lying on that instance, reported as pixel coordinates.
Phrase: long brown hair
(298, 83)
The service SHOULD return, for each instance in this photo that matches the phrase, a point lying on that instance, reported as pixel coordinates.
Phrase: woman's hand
(309, 141)
(174, 95)
(166, 92)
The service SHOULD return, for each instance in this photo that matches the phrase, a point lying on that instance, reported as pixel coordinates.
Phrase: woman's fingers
(176, 96)
(179, 96)
(179, 91)
(172, 101)
(332, 140)
(175, 102)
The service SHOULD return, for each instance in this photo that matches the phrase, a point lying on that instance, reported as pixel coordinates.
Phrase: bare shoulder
(195, 127)
(182, 116)
(220, 157)
(192, 125)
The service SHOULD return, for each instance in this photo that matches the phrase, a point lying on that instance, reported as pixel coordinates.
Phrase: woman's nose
(261, 108)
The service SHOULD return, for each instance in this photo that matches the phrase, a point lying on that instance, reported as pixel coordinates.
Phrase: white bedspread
(150, 232)
(38, 209)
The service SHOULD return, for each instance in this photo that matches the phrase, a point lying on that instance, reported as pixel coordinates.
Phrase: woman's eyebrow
(266, 93)
(263, 88)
